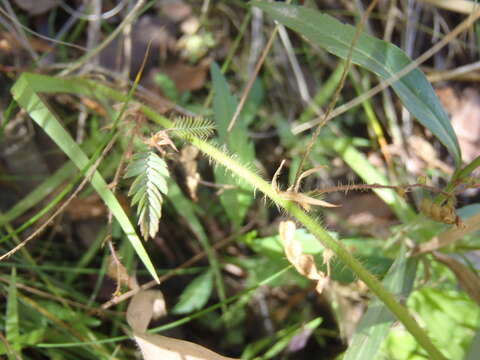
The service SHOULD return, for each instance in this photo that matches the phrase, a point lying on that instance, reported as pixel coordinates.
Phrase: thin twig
(128, 20)
(335, 97)
(249, 85)
(466, 24)
(84, 182)
(118, 299)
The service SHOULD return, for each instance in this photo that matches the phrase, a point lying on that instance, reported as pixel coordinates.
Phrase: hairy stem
(90, 88)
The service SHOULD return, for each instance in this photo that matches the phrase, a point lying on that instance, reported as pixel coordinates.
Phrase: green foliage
(193, 126)
(369, 251)
(380, 57)
(195, 295)
(235, 202)
(150, 173)
(273, 345)
(450, 317)
(26, 92)
(12, 328)
(60, 330)
(377, 321)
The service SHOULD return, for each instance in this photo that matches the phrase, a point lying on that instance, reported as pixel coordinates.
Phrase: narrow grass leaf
(12, 327)
(375, 324)
(40, 192)
(23, 92)
(380, 57)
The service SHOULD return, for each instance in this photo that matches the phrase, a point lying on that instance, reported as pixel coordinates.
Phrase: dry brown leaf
(176, 10)
(187, 159)
(146, 305)
(303, 263)
(305, 201)
(468, 280)
(118, 272)
(186, 77)
(306, 174)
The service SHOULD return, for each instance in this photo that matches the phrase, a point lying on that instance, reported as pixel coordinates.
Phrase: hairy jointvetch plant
(150, 172)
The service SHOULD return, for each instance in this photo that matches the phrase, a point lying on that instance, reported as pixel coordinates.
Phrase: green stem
(324, 237)
(90, 88)
(458, 175)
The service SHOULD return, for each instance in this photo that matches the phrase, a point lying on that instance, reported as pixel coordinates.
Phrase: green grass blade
(23, 92)
(375, 324)
(12, 326)
(380, 57)
(81, 86)
(236, 202)
(40, 192)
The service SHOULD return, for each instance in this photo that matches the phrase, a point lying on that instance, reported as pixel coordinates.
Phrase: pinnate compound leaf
(150, 172)
(380, 57)
(198, 126)
(26, 91)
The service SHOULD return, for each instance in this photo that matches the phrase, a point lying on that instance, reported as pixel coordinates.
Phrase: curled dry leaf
(441, 213)
(188, 160)
(146, 305)
(303, 263)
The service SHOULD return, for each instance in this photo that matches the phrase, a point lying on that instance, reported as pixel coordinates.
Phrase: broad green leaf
(380, 57)
(367, 250)
(449, 316)
(186, 208)
(195, 295)
(24, 93)
(375, 324)
(236, 202)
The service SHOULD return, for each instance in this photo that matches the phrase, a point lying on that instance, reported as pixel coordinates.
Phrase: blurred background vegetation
(409, 205)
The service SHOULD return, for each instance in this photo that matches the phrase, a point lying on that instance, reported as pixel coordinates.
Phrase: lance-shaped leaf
(380, 57)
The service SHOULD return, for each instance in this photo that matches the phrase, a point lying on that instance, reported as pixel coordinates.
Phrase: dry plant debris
(148, 305)
(303, 263)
